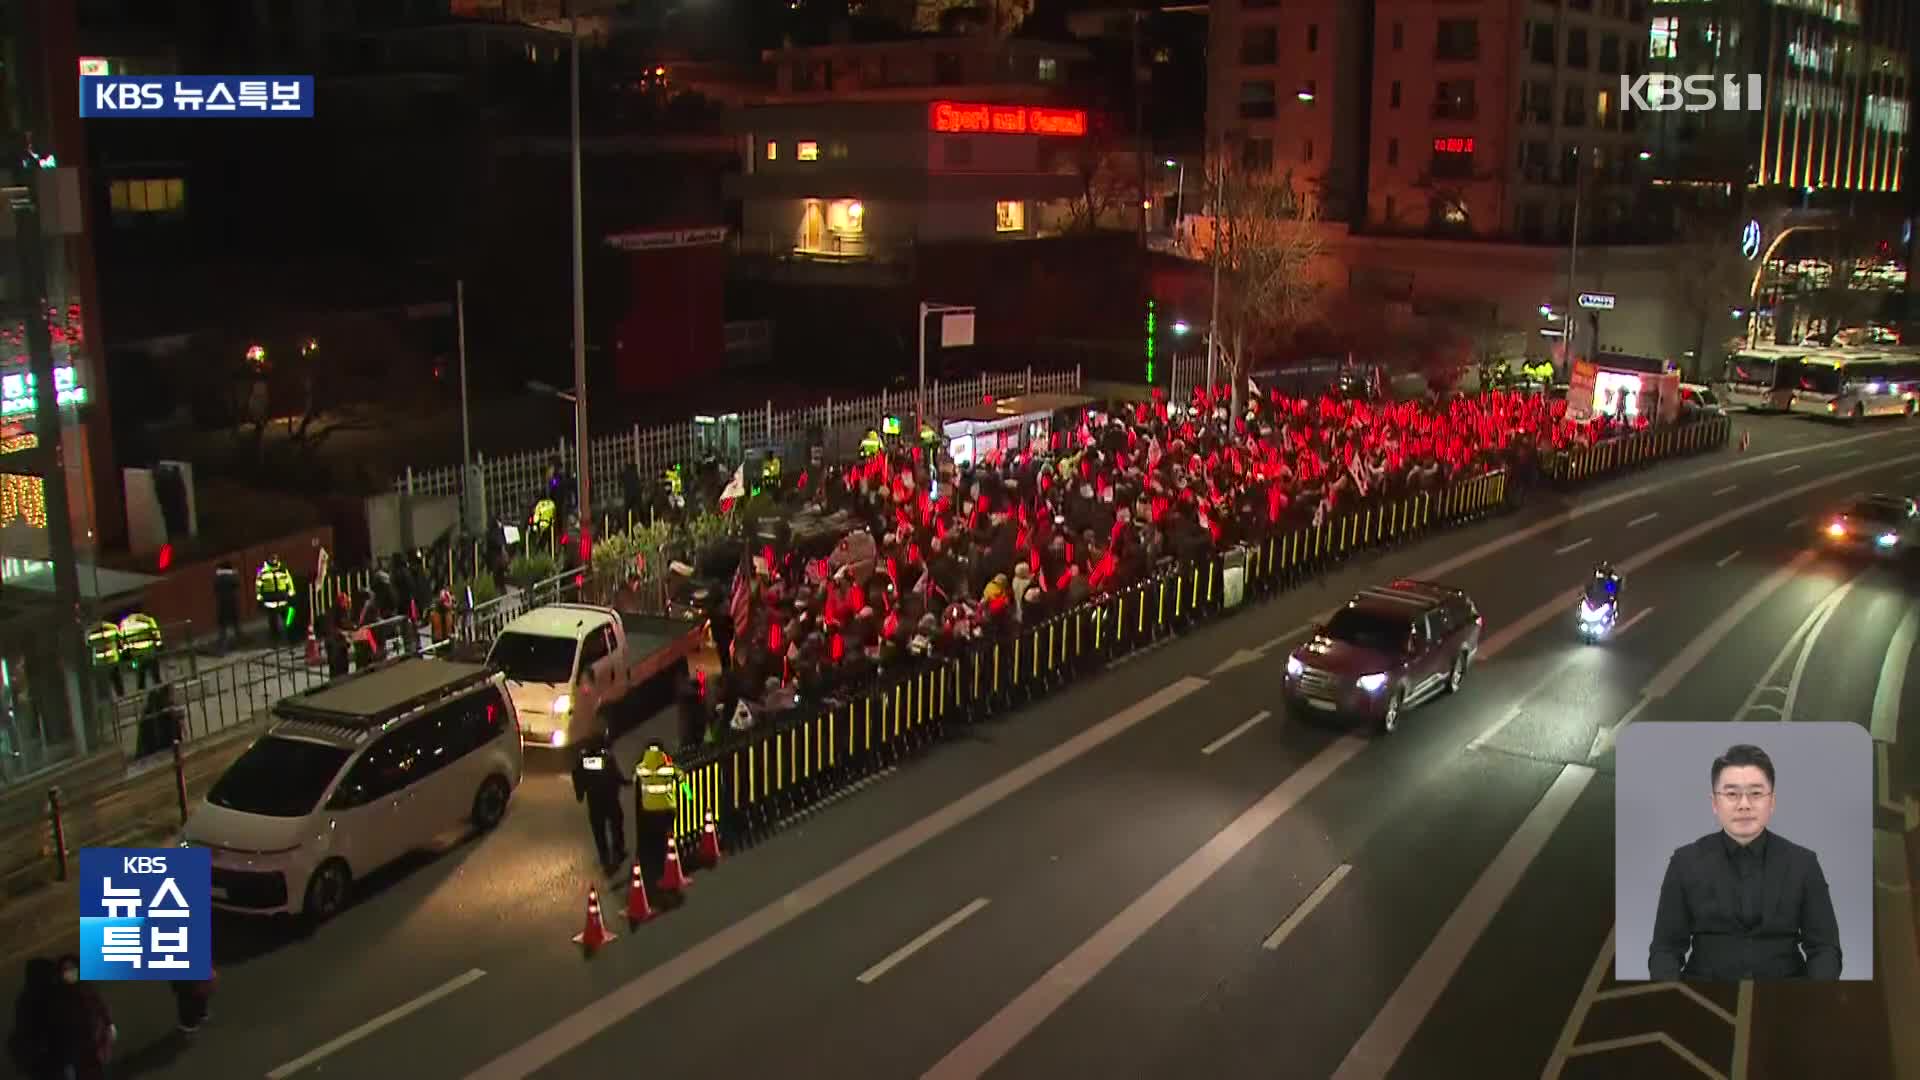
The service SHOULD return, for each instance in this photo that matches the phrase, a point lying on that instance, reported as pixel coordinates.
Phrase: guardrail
(1611, 456)
(754, 784)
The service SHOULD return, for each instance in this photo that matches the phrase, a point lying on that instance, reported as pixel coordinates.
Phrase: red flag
(737, 605)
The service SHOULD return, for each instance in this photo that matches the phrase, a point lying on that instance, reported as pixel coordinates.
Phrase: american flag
(742, 590)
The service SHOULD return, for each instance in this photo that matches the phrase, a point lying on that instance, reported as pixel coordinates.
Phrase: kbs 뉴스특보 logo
(146, 913)
(212, 97)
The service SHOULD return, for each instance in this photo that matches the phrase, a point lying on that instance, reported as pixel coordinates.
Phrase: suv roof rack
(1405, 592)
(370, 699)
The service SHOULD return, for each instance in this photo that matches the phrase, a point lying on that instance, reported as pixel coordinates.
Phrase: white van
(351, 776)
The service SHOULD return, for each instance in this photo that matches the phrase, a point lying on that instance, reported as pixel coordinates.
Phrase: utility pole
(1573, 262)
(582, 442)
(1140, 81)
(1216, 171)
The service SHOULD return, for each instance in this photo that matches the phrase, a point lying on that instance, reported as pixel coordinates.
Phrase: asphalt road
(1137, 877)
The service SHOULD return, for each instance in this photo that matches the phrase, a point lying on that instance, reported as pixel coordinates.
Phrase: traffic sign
(1597, 301)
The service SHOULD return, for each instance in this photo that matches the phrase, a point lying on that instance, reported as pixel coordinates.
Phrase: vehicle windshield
(276, 777)
(1368, 630)
(1885, 513)
(1751, 370)
(534, 658)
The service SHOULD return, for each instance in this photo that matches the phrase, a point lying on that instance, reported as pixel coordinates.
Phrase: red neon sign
(972, 119)
(1453, 146)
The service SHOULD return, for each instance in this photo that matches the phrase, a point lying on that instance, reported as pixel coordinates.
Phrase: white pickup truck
(566, 662)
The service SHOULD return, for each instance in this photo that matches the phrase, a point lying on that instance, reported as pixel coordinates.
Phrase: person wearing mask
(34, 1046)
(597, 780)
(83, 1028)
(655, 809)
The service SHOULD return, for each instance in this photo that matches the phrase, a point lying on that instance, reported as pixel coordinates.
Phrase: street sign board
(1597, 301)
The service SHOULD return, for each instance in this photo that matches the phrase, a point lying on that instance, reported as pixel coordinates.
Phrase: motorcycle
(1596, 621)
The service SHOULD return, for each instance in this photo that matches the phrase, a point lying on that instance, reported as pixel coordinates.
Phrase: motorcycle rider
(1604, 589)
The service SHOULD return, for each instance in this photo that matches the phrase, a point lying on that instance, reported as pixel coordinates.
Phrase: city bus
(1753, 377)
(1852, 384)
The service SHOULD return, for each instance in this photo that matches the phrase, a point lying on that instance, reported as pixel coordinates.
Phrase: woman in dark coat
(33, 1047)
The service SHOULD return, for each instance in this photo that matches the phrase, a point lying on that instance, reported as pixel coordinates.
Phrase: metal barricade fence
(1610, 456)
(754, 784)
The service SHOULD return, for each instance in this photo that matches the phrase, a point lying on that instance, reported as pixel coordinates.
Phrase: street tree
(1712, 279)
(1107, 178)
(1264, 240)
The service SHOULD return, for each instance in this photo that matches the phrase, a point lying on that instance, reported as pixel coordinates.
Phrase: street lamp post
(1179, 189)
(581, 450)
(1213, 251)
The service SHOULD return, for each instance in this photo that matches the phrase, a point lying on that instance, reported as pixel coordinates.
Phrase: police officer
(104, 642)
(140, 646)
(871, 444)
(273, 592)
(597, 780)
(655, 809)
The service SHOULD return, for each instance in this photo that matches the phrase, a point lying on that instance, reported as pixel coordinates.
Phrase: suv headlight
(562, 705)
(1294, 667)
(1889, 539)
(1371, 683)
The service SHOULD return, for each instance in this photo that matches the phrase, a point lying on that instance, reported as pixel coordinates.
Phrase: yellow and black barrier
(1611, 456)
(766, 778)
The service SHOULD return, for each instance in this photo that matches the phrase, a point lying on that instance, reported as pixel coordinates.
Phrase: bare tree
(1712, 280)
(1265, 239)
(1109, 181)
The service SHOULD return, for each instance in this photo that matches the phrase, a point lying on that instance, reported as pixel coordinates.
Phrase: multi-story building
(56, 448)
(1836, 85)
(1471, 118)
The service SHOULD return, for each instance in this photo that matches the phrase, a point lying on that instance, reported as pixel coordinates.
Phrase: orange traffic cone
(313, 649)
(595, 934)
(638, 910)
(674, 879)
(710, 843)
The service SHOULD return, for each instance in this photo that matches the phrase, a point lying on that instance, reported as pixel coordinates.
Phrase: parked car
(352, 775)
(1389, 649)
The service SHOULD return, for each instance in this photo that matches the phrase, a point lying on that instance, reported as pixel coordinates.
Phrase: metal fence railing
(513, 479)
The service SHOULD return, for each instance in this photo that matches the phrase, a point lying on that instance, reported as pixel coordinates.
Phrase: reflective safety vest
(674, 483)
(871, 444)
(771, 470)
(104, 640)
(660, 782)
(543, 514)
(1542, 371)
(929, 436)
(139, 636)
(272, 585)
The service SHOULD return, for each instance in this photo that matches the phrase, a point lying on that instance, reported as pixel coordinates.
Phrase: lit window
(147, 196)
(1009, 215)
(845, 216)
(1664, 42)
(773, 150)
(1602, 107)
(1049, 69)
(808, 151)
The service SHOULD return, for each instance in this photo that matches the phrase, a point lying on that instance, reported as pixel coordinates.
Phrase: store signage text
(965, 119)
(1597, 301)
(16, 391)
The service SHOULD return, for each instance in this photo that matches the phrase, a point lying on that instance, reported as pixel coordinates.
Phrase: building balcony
(835, 259)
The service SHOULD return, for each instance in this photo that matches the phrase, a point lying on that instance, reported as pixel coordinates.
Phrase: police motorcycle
(1599, 605)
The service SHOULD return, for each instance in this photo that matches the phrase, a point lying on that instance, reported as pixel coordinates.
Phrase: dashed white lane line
(399, 1012)
(1214, 746)
(1575, 546)
(1642, 520)
(926, 938)
(1306, 907)
(1728, 557)
(1729, 489)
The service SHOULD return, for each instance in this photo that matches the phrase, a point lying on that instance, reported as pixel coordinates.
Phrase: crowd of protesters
(927, 555)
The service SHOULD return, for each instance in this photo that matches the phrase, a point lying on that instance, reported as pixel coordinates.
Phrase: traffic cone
(313, 649)
(674, 879)
(638, 910)
(595, 934)
(710, 843)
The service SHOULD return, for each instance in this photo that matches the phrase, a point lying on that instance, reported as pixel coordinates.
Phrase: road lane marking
(1729, 557)
(1742, 1030)
(1848, 454)
(1799, 645)
(1552, 677)
(1729, 489)
(1223, 740)
(1381, 1045)
(1569, 1046)
(1629, 624)
(400, 1012)
(925, 939)
(1243, 657)
(1797, 522)
(1575, 546)
(1785, 471)
(993, 1040)
(637, 993)
(1306, 907)
(1833, 603)
(1642, 520)
(1893, 678)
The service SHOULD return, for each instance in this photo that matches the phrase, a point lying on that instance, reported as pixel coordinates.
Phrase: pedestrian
(83, 1027)
(655, 809)
(597, 780)
(226, 604)
(191, 998)
(159, 722)
(339, 652)
(33, 1044)
(693, 713)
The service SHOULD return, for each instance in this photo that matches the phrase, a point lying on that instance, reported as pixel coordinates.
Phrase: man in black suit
(1744, 903)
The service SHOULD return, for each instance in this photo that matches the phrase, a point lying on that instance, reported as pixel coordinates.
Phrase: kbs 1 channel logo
(176, 97)
(146, 913)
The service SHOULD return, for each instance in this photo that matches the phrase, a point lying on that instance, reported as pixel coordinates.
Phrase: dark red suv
(1392, 647)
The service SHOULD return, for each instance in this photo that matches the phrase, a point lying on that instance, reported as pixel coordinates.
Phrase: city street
(1156, 872)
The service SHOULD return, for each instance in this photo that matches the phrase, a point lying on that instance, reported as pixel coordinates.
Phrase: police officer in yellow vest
(770, 473)
(929, 438)
(540, 525)
(104, 642)
(870, 444)
(273, 592)
(140, 646)
(656, 807)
